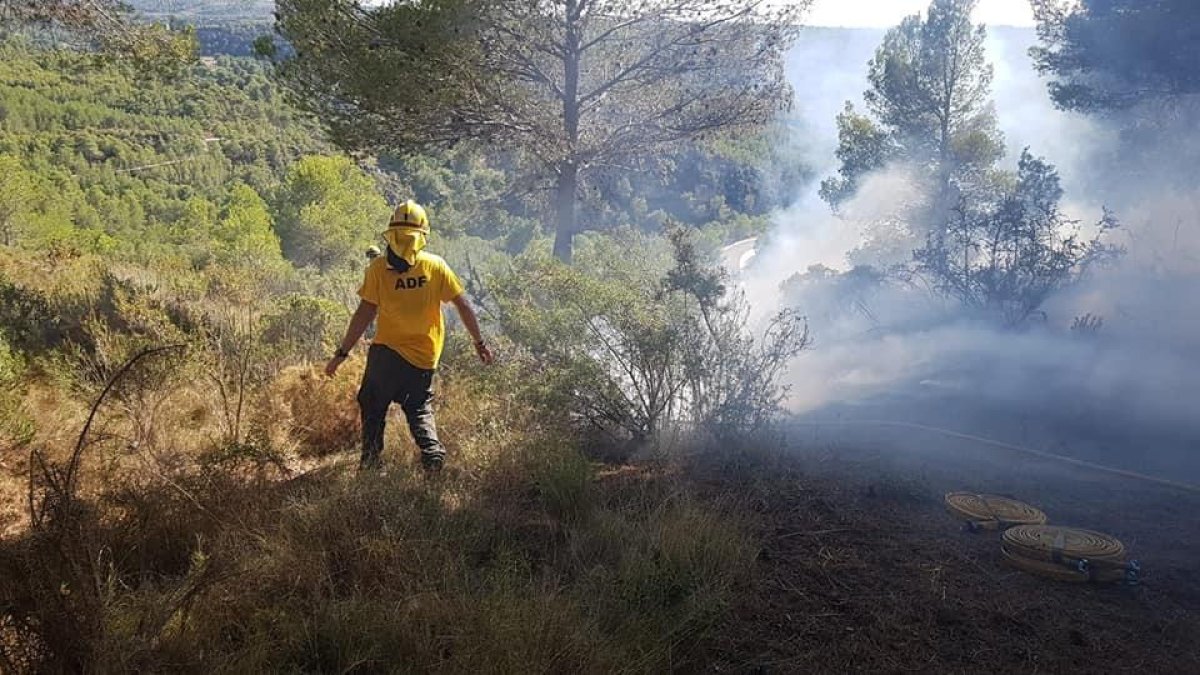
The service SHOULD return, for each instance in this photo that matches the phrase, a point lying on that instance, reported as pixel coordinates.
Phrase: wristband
(341, 354)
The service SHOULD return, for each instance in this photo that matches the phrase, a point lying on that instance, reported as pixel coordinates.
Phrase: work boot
(432, 464)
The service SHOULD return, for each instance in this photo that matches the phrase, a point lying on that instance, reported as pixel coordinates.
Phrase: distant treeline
(207, 11)
(230, 39)
(223, 27)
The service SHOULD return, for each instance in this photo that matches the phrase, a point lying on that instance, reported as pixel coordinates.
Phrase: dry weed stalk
(61, 484)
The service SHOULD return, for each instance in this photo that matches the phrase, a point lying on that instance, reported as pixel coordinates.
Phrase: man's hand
(363, 316)
(471, 323)
(485, 354)
(331, 368)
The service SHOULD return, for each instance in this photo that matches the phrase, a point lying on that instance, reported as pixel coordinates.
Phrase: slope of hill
(127, 156)
(214, 520)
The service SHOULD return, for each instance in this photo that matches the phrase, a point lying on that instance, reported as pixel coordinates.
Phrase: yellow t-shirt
(410, 306)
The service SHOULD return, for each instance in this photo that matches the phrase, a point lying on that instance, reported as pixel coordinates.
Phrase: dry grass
(333, 572)
(317, 413)
(180, 551)
(182, 556)
(525, 556)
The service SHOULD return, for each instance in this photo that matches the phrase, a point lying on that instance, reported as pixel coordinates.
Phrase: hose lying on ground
(992, 512)
(1068, 554)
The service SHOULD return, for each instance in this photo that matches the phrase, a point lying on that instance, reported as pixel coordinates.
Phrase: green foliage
(633, 353)
(730, 184)
(728, 187)
(669, 564)
(265, 47)
(731, 374)
(930, 79)
(579, 89)
(991, 239)
(863, 147)
(16, 427)
(468, 191)
(930, 107)
(1108, 55)
(153, 49)
(608, 349)
(305, 326)
(1132, 66)
(1009, 258)
(21, 194)
(563, 482)
(244, 231)
(10, 363)
(105, 25)
(329, 212)
(162, 218)
(27, 319)
(391, 61)
(124, 161)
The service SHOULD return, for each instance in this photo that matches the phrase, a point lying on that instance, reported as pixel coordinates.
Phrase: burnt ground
(862, 570)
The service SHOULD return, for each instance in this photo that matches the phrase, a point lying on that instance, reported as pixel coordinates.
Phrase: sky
(886, 13)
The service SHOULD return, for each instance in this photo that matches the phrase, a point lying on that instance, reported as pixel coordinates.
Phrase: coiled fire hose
(1030, 545)
(991, 512)
(1068, 554)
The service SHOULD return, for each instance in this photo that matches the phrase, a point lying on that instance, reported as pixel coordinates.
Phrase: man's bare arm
(363, 316)
(471, 322)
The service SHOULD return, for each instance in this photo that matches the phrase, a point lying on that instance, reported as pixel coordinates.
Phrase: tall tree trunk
(568, 169)
(564, 234)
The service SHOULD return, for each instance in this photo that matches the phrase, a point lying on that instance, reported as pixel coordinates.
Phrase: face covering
(404, 243)
(397, 263)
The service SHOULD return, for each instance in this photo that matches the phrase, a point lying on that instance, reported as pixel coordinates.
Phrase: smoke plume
(1107, 372)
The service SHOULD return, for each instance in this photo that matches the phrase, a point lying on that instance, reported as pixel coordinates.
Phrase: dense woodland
(132, 156)
(184, 210)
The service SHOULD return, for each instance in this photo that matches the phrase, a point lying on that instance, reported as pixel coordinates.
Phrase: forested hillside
(197, 210)
(124, 165)
(119, 161)
(226, 28)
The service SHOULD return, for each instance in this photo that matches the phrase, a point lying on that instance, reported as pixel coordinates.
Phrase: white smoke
(890, 350)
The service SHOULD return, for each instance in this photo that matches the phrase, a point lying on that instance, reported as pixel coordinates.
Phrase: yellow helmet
(410, 214)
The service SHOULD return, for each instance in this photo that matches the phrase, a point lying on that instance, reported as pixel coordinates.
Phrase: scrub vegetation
(211, 518)
(181, 239)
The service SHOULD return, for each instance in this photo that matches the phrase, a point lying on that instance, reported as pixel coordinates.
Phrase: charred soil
(861, 569)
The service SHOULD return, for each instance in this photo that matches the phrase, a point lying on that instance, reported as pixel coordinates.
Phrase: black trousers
(390, 379)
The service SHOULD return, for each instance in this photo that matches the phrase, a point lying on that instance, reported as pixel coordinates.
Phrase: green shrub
(16, 427)
(562, 481)
(27, 319)
(306, 326)
(621, 349)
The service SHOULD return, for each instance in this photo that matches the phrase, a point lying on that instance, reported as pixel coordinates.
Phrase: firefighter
(403, 290)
